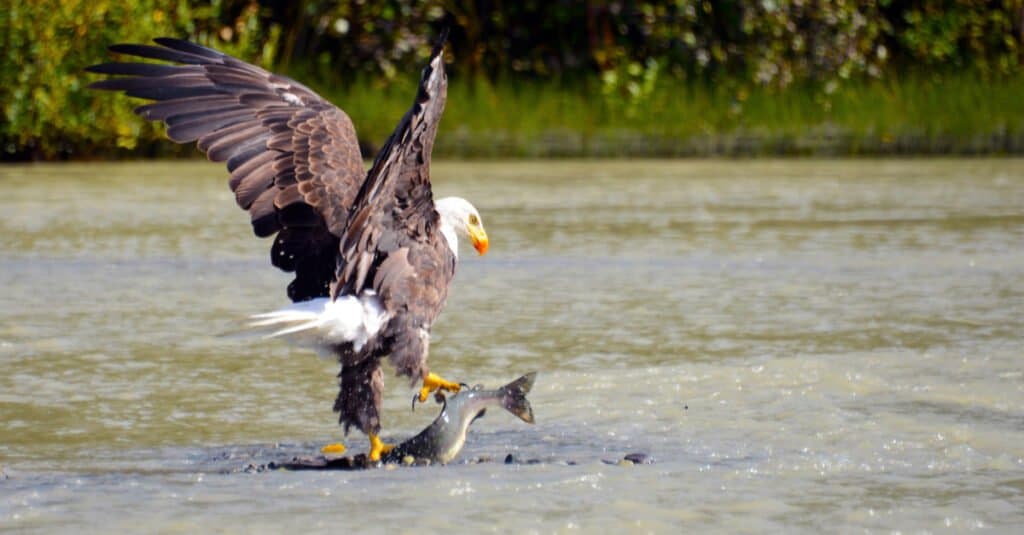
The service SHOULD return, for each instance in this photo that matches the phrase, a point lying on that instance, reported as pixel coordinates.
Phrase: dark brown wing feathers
(396, 198)
(293, 157)
(393, 242)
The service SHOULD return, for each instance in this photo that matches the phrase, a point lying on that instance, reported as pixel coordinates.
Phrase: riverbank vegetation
(560, 78)
(952, 114)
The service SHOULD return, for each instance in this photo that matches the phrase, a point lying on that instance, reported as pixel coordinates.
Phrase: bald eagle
(372, 252)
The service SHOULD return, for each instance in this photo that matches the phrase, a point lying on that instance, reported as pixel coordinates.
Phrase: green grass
(915, 114)
(951, 114)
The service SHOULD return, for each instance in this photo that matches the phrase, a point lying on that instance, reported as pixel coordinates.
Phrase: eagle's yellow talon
(378, 447)
(333, 449)
(434, 382)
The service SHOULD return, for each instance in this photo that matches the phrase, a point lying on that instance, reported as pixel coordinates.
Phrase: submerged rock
(630, 459)
(512, 459)
(639, 458)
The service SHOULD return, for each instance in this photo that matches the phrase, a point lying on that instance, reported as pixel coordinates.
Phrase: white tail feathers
(321, 323)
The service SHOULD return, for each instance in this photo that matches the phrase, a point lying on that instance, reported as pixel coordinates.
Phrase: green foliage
(984, 35)
(550, 69)
(48, 112)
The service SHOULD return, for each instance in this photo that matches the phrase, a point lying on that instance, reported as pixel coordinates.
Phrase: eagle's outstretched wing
(293, 157)
(393, 244)
(395, 206)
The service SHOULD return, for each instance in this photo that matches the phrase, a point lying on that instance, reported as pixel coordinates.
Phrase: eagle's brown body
(296, 168)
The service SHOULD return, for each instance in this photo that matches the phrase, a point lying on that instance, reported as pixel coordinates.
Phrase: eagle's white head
(460, 217)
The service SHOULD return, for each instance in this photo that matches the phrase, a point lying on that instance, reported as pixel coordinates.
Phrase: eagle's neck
(450, 237)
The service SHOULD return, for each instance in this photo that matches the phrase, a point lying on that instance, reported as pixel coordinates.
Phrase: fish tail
(514, 397)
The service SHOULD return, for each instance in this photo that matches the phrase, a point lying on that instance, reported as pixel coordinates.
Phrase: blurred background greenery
(558, 77)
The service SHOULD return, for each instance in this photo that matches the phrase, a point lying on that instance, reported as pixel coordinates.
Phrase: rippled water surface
(800, 346)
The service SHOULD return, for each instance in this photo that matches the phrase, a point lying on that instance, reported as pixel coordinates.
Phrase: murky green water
(800, 345)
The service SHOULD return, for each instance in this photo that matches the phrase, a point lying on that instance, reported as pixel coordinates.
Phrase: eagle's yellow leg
(377, 447)
(433, 382)
(333, 449)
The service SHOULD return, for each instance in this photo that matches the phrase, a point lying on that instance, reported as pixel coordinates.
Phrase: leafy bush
(48, 112)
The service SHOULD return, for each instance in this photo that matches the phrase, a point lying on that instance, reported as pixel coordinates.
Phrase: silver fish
(443, 440)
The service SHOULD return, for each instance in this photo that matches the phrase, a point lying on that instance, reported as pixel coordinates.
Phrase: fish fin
(514, 397)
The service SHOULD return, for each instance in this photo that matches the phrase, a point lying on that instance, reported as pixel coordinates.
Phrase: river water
(799, 345)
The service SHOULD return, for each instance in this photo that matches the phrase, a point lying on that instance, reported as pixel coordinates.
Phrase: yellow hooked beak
(479, 237)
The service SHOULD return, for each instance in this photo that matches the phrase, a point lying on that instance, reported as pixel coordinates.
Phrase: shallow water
(800, 345)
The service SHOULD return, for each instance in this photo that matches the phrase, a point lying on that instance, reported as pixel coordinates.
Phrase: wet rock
(631, 459)
(639, 458)
(512, 459)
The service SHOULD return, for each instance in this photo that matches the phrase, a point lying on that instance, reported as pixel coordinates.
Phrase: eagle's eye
(474, 220)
